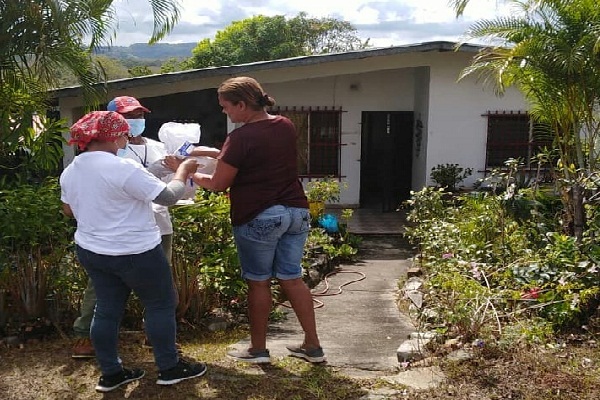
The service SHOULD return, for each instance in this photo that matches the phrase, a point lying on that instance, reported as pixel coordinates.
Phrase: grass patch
(45, 371)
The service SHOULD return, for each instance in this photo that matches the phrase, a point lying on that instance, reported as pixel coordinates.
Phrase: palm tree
(550, 50)
(40, 37)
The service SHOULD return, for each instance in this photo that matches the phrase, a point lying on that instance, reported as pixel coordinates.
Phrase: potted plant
(322, 191)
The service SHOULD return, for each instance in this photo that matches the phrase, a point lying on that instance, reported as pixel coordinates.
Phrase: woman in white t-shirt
(118, 244)
(148, 153)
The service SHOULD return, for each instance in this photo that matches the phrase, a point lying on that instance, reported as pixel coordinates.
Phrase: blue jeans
(114, 277)
(272, 244)
(81, 326)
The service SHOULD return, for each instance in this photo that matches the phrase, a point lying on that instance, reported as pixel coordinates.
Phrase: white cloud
(385, 22)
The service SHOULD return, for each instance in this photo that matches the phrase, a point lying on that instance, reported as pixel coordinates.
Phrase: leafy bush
(326, 190)
(205, 263)
(337, 246)
(490, 266)
(39, 269)
(29, 153)
(450, 175)
(322, 191)
(35, 237)
(469, 306)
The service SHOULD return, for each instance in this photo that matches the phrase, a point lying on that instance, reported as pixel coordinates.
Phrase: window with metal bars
(319, 139)
(513, 135)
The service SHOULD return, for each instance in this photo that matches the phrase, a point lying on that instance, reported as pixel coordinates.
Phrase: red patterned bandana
(105, 126)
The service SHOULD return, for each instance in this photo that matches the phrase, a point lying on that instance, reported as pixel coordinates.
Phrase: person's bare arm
(205, 151)
(66, 209)
(221, 180)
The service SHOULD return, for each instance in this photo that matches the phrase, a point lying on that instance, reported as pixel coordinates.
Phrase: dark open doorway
(386, 159)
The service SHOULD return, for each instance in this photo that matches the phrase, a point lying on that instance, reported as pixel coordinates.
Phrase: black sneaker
(111, 382)
(255, 357)
(313, 356)
(182, 371)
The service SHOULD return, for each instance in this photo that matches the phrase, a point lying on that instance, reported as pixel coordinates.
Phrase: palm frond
(166, 15)
(458, 6)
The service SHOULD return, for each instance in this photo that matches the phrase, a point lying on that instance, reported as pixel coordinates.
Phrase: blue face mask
(122, 152)
(136, 126)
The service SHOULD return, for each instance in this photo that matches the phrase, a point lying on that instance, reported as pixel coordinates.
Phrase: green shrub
(469, 308)
(450, 175)
(326, 190)
(34, 238)
(39, 269)
(491, 266)
(31, 151)
(205, 263)
(533, 330)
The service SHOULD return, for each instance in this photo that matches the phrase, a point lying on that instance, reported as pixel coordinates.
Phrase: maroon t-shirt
(265, 154)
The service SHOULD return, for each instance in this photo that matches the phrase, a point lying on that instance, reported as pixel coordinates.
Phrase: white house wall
(421, 110)
(457, 128)
(389, 90)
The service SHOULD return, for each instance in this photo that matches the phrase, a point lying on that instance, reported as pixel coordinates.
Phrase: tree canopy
(262, 38)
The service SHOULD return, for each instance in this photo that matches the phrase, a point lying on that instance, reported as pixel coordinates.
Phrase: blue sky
(385, 23)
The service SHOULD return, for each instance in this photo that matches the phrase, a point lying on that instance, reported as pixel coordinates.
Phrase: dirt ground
(45, 370)
(568, 369)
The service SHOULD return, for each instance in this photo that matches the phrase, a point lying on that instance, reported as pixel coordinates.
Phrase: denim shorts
(272, 244)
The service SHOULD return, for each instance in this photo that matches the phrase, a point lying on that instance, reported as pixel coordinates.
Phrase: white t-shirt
(111, 200)
(148, 154)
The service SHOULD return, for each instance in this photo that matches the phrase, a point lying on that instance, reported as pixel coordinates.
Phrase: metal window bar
(319, 139)
(324, 143)
(511, 135)
(508, 136)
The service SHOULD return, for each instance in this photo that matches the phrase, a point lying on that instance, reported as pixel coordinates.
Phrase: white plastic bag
(176, 134)
(178, 138)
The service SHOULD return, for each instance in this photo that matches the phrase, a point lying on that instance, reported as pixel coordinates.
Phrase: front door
(386, 159)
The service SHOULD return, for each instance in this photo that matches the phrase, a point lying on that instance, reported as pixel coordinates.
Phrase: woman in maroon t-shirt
(269, 212)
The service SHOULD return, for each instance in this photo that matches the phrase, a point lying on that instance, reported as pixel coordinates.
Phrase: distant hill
(144, 51)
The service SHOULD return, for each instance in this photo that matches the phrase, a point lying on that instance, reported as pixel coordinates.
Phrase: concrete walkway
(361, 328)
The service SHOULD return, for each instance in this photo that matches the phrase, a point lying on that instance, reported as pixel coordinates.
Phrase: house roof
(172, 77)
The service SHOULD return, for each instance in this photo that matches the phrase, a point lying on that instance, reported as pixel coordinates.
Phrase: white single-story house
(378, 119)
